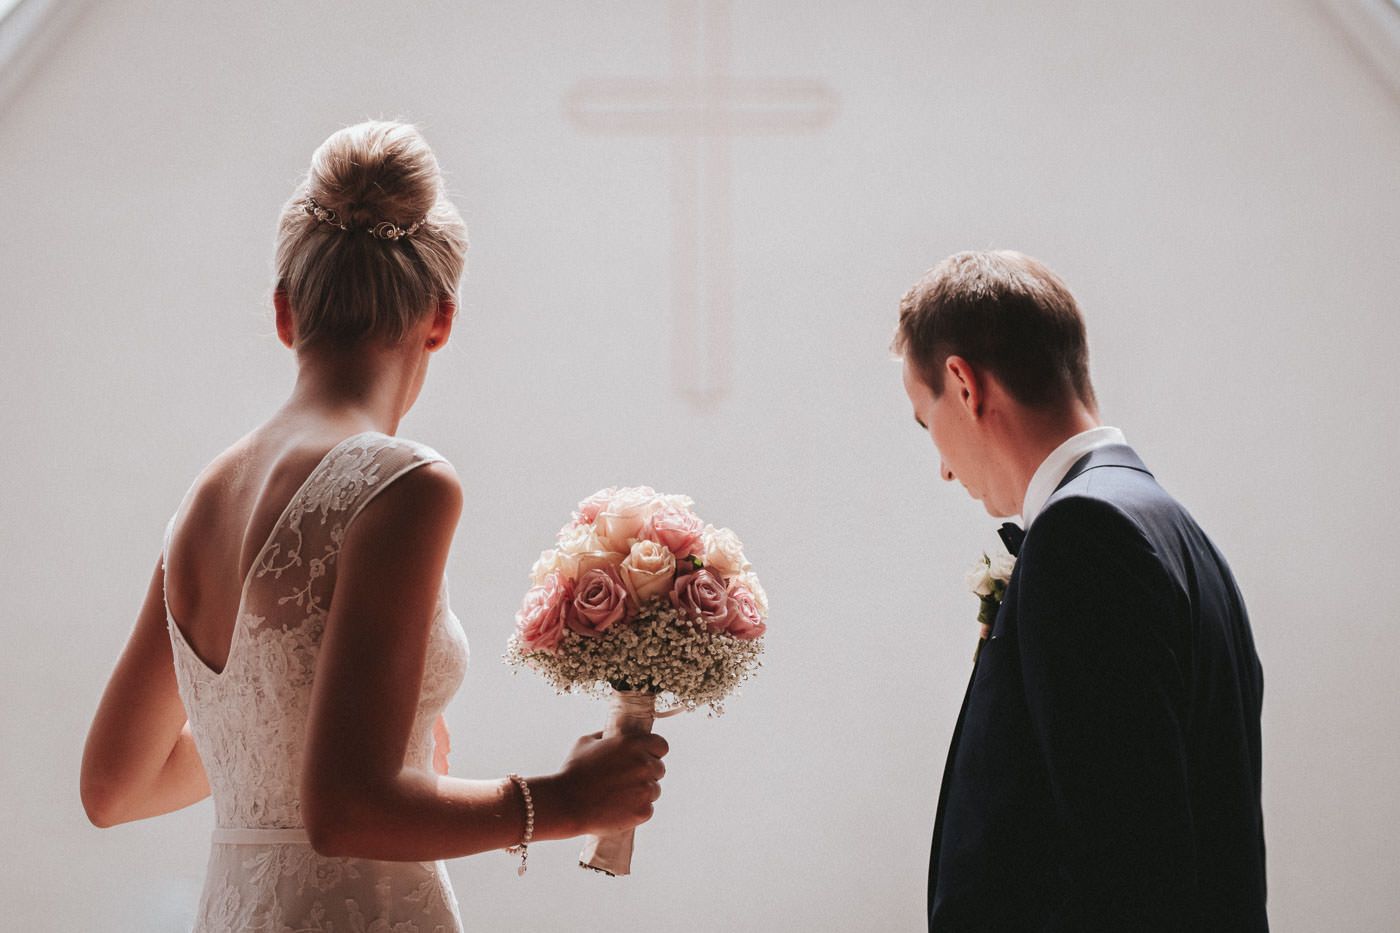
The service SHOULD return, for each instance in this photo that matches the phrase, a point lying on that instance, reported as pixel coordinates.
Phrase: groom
(1103, 774)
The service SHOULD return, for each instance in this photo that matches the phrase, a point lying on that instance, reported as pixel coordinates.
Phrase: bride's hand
(612, 783)
(442, 744)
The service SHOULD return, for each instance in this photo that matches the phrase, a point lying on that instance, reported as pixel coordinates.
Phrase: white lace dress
(249, 724)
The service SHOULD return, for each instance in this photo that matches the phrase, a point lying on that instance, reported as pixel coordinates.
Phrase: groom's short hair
(1004, 311)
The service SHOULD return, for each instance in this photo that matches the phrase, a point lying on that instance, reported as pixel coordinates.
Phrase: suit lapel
(952, 754)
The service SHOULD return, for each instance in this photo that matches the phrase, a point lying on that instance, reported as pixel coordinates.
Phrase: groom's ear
(965, 382)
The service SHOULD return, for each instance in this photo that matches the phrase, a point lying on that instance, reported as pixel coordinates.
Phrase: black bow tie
(1012, 535)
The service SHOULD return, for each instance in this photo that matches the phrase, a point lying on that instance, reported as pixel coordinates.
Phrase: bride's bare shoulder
(401, 532)
(264, 462)
(430, 489)
(228, 473)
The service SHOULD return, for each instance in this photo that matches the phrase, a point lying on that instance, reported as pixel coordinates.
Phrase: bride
(315, 723)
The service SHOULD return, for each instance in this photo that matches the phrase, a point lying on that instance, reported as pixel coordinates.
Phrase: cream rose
(573, 543)
(682, 503)
(578, 539)
(589, 508)
(1002, 565)
(648, 571)
(550, 561)
(724, 553)
(621, 521)
(979, 579)
(605, 559)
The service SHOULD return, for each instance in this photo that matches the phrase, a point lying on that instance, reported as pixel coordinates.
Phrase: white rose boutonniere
(987, 580)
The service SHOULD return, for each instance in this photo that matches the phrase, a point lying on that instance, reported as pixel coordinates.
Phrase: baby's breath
(685, 664)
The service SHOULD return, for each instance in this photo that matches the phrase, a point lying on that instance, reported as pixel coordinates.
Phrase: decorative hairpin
(384, 230)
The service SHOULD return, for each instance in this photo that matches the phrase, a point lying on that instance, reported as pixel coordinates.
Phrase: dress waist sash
(254, 836)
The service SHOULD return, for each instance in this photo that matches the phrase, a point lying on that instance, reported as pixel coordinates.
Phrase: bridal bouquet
(640, 601)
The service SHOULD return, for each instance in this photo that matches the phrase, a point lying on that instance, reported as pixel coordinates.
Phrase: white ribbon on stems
(632, 712)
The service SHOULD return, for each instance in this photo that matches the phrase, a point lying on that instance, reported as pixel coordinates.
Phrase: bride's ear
(441, 326)
(286, 332)
(966, 384)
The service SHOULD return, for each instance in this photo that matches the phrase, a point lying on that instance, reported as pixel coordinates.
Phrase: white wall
(1218, 183)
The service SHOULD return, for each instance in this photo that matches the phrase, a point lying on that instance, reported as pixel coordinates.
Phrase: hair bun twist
(375, 172)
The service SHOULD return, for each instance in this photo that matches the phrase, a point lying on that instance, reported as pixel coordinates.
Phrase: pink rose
(680, 530)
(700, 597)
(745, 619)
(540, 620)
(600, 601)
(589, 508)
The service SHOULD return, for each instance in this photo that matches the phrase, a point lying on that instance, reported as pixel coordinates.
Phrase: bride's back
(249, 715)
(229, 511)
(267, 635)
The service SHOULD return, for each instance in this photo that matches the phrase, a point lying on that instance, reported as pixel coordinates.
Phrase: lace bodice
(249, 719)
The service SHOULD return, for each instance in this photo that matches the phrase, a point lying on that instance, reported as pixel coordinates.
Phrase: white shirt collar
(1054, 467)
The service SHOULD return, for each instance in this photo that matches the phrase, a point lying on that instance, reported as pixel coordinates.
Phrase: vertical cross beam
(699, 107)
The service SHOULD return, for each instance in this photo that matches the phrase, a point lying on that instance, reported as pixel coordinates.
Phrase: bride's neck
(372, 385)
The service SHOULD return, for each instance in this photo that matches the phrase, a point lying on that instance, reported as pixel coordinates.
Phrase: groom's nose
(946, 473)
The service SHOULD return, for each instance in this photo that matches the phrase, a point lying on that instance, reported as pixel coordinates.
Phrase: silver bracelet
(523, 846)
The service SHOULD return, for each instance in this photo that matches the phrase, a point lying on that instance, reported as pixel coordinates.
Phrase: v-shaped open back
(249, 719)
(177, 632)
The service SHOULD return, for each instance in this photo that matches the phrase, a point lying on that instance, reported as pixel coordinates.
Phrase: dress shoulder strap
(305, 542)
(373, 466)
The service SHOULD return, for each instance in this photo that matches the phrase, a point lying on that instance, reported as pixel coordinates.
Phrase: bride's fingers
(440, 734)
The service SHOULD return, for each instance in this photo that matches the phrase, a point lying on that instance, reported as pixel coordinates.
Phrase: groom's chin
(995, 512)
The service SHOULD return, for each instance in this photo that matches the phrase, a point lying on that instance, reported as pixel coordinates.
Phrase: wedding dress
(249, 724)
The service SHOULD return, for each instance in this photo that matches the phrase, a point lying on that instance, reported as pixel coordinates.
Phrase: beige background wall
(1218, 183)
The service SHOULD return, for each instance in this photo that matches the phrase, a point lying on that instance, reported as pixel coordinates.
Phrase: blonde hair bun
(373, 172)
(344, 284)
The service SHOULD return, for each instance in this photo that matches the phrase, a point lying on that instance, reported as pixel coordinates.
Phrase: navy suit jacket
(1104, 770)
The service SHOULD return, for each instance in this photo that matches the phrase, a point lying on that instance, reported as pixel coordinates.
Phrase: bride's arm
(180, 782)
(357, 798)
(139, 759)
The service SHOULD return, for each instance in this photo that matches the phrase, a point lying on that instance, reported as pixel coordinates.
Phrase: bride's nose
(947, 473)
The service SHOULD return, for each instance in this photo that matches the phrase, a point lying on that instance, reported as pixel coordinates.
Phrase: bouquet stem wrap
(632, 712)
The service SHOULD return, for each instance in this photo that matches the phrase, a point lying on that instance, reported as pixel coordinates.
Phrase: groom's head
(994, 351)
